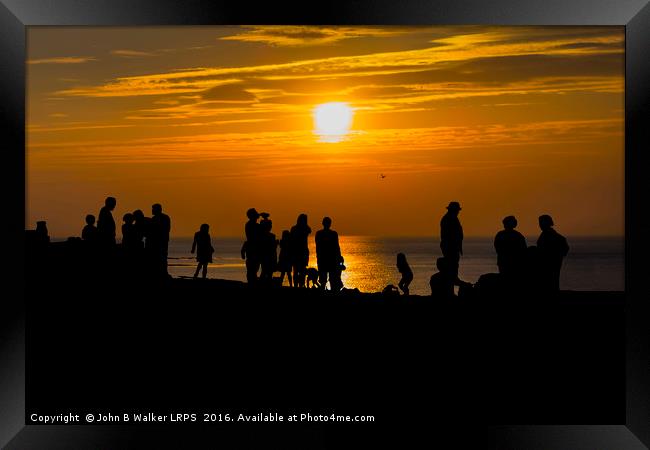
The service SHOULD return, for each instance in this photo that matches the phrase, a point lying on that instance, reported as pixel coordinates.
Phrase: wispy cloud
(307, 35)
(131, 53)
(63, 60)
(446, 51)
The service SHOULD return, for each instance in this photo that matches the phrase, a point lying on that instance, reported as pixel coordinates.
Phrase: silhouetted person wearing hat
(250, 249)
(328, 256)
(451, 237)
(552, 247)
(510, 246)
(160, 228)
(300, 250)
(106, 223)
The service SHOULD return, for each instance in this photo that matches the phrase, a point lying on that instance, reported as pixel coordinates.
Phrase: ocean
(593, 263)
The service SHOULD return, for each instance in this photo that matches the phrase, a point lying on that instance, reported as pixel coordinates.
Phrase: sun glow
(332, 121)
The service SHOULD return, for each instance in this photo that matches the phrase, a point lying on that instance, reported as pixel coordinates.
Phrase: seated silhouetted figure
(328, 256)
(202, 245)
(89, 232)
(41, 232)
(268, 251)
(106, 223)
(407, 274)
(552, 247)
(442, 283)
(510, 246)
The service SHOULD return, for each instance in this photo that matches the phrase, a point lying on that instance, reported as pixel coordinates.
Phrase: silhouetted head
(204, 228)
(156, 208)
(286, 234)
(545, 222)
(90, 219)
(302, 220)
(252, 214)
(265, 215)
(266, 225)
(454, 207)
(441, 264)
(401, 259)
(510, 222)
(327, 223)
(138, 215)
(128, 218)
(41, 226)
(110, 203)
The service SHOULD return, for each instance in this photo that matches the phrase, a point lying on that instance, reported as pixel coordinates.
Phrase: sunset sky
(210, 121)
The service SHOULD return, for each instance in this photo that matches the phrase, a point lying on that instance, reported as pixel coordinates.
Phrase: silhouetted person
(129, 234)
(89, 232)
(442, 283)
(510, 246)
(141, 226)
(250, 249)
(284, 261)
(160, 229)
(407, 274)
(451, 237)
(106, 223)
(202, 245)
(268, 250)
(300, 250)
(328, 256)
(552, 247)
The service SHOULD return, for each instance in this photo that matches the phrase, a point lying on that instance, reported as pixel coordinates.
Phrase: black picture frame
(16, 15)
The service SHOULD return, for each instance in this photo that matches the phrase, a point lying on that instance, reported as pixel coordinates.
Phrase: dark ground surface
(217, 346)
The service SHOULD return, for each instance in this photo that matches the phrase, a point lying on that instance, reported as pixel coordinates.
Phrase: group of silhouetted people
(535, 267)
(145, 243)
(260, 250)
(145, 240)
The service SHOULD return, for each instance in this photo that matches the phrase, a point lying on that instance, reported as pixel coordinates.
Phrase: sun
(332, 121)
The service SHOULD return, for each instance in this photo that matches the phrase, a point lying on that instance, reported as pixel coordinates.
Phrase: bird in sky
(382, 176)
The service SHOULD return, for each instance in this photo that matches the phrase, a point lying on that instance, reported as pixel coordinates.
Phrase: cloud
(308, 35)
(457, 50)
(228, 93)
(63, 60)
(131, 53)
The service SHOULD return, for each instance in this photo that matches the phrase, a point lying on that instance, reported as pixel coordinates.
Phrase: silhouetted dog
(312, 276)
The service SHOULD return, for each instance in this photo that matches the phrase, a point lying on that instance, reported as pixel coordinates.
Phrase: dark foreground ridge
(99, 338)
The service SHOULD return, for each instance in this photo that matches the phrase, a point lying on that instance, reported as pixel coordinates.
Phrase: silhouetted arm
(194, 244)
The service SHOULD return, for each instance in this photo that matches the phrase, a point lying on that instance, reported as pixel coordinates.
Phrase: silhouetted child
(284, 261)
(407, 273)
(129, 234)
(203, 246)
(89, 232)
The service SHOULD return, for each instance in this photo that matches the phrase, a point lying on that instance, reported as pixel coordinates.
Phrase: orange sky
(210, 121)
